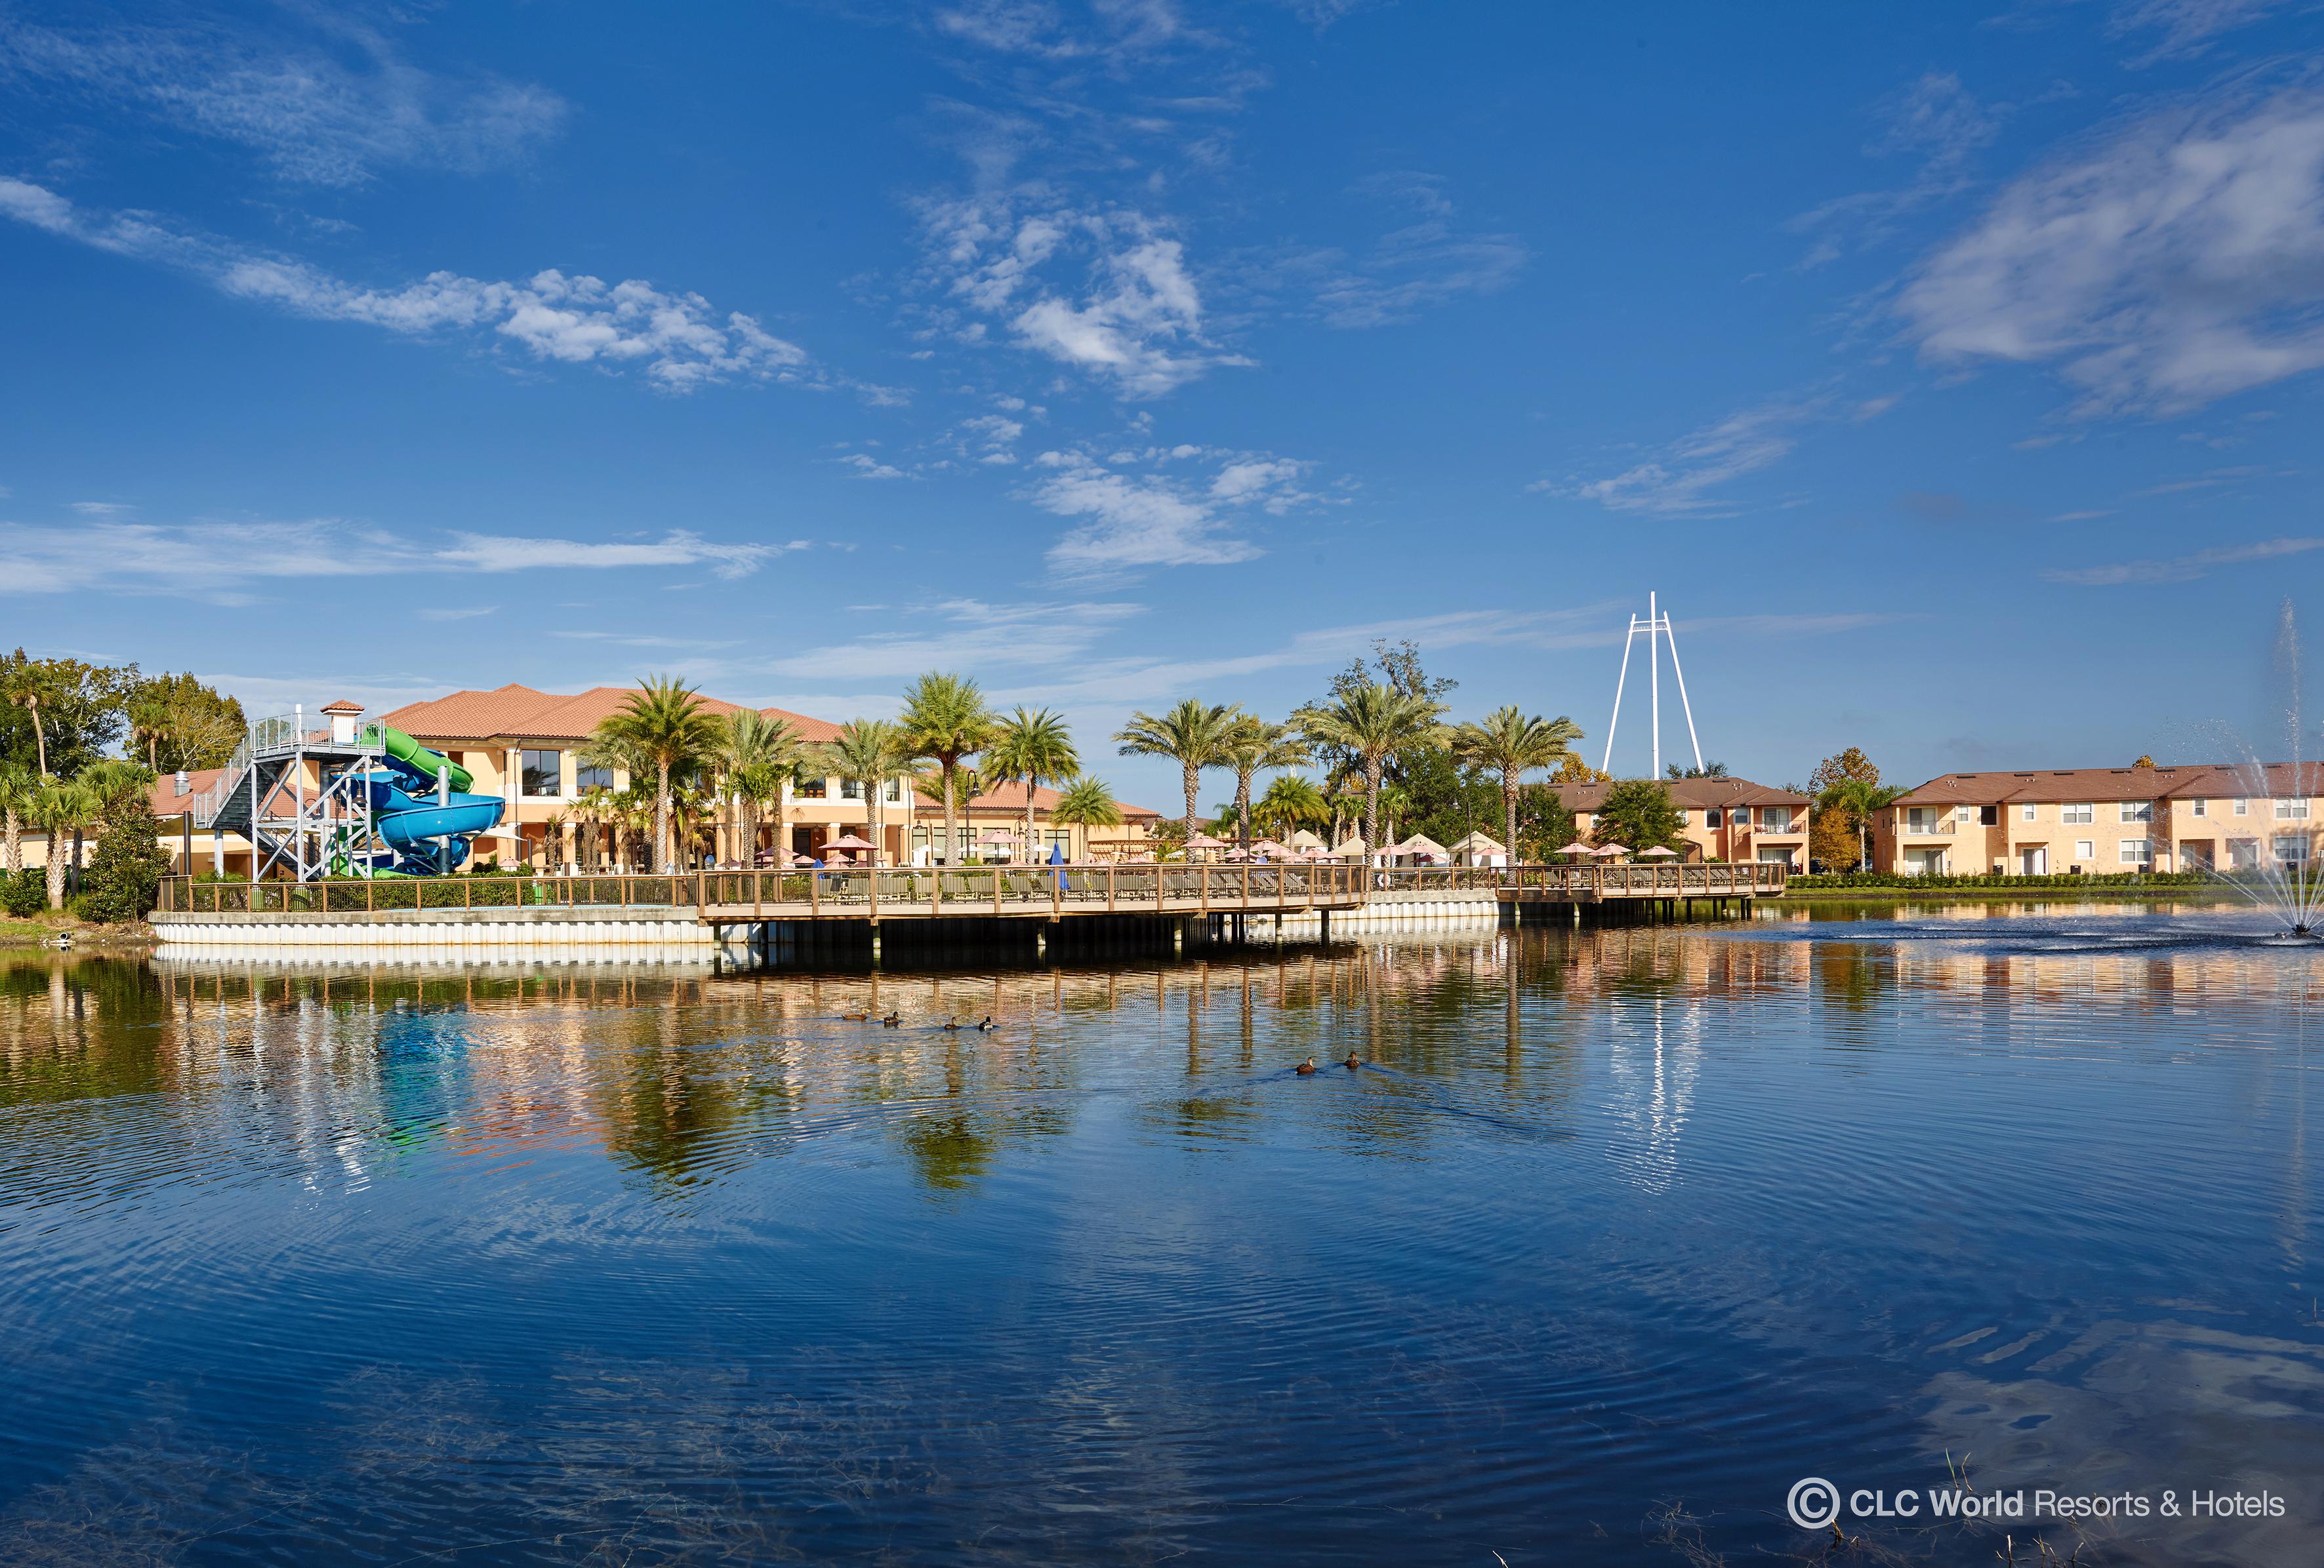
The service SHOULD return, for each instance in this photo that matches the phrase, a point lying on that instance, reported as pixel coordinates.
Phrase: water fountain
(2276, 867)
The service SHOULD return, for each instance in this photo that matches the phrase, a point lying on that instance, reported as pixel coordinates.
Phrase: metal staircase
(265, 796)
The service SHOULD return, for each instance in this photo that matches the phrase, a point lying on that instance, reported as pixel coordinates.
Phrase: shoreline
(2007, 895)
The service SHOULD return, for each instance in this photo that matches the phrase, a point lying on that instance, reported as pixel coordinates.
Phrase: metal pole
(1606, 765)
(1685, 705)
(1654, 687)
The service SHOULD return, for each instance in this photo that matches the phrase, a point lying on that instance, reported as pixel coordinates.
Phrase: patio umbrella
(1609, 850)
(1577, 849)
(848, 841)
(1657, 852)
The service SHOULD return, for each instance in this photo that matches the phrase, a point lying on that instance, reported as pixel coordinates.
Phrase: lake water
(1615, 1235)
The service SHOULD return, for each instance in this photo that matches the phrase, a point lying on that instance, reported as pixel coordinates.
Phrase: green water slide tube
(415, 756)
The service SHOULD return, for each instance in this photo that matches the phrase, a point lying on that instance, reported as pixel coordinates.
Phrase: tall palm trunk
(56, 874)
(1242, 807)
(952, 832)
(875, 812)
(1509, 812)
(1371, 810)
(1192, 780)
(16, 843)
(661, 817)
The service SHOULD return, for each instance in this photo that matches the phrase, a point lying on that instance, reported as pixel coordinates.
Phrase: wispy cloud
(2188, 27)
(2181, 569)
(2176, 262)
(450, 612)
(964, 634)
(1144, 509)
(228, 561)
(1132, 316)
(1426, 261)
(680, 340)
(1935, 120)
(322, 98)
(1681, 480)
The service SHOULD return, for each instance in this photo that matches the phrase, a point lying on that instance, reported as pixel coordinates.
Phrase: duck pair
(955, 1024)
(1308, 1067)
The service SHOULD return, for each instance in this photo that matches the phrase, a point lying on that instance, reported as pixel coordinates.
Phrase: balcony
(1780, 827)
(1946, 828)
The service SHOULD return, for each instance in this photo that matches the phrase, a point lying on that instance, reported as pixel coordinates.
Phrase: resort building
(1726, 819)
(529, 747)
(2199, 817)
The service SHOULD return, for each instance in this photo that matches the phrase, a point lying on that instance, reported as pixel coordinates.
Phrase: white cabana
(1479, 850)
(1350, 848)
(1304, 839)
(1419, 850)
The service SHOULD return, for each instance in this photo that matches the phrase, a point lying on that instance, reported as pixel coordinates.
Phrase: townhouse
(2036, 822)
(1726, 819)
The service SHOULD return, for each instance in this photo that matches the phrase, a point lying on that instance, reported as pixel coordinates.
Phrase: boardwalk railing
(932, 892)
(914, 892)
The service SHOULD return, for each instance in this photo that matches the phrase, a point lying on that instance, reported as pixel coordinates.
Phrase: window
(2295, 810)
(895, 791)
(1988, 816)
(2086, 849)
(2078, 812)
(593, 778)
(2138, 811)
(1965, 813)
(544, 772)
(2137, 851)
(2026, 812)
(2243, 853)
(851, 789)
(2243, 808)
(2291, 849)
(2199, 808)
(1711, 817)
(809, 789)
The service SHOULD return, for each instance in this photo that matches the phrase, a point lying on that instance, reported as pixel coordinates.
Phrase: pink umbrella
(1609, 850)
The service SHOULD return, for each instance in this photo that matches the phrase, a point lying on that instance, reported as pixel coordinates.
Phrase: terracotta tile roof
(165, 799)
(519, 713)
(342, 707)
(1693, 793)
(1010, 800)
(2183, 781)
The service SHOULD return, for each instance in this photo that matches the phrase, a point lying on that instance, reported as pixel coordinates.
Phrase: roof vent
(185, 785)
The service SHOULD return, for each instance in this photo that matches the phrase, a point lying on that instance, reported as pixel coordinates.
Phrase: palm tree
(1372, 723)
(1029, 747)
(114, 776)
(750, 740)
(664, 724)
(1863, 801)
(1085, 803)
(1512, 745)
(870, 751)
(1255, 744)
(62, 804)
(944, 721)
(1196, 732)
(1290, 803)
(956, 798)
(17, 791)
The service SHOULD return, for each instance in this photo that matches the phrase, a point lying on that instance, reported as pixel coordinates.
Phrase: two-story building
(1726, 819)
(2038, 821)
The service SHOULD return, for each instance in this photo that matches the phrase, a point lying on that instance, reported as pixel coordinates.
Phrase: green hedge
(1812, 882)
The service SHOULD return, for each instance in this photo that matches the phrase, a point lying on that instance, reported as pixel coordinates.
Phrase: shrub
(23, 895)
(123, 879)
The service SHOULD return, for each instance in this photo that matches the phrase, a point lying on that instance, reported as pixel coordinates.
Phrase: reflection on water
(646, 1264)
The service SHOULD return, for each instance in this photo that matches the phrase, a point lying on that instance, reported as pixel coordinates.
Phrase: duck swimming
(1351, 1064)
(854, 1018)
(893, 1019)
(952, 1024)
(1305, 1067)
(987, 1023)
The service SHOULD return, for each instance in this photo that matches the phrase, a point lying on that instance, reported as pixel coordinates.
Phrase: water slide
(426, 827)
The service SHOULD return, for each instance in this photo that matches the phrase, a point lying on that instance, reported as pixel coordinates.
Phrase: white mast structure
(1656, 623)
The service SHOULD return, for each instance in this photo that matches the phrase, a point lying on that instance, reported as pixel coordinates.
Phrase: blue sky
(1951, 374)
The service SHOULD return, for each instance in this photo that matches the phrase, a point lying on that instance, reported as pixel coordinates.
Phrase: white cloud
(1150, 518)
(327, 109)
(2181, 569)
(867, 466)
(105, 510)
(680, 341)
(2187, 26)
(2179, 261)
(448, 612)
(965, 634)
(228, 561)
(1936, 120)
(1680, 480)
(677, 548)
(1133, 317)
(1039, 29)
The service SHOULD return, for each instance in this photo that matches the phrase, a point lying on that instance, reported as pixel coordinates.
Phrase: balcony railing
(1946, 828)
(1785, 825)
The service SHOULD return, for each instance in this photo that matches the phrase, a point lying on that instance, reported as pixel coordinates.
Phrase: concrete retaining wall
(439, 928)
